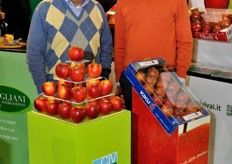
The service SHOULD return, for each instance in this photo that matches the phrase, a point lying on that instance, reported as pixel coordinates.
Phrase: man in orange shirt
(151, 29)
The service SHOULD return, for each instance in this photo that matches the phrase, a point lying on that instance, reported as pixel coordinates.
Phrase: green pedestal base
(54, 141)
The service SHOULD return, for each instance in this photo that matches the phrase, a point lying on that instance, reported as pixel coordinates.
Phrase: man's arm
(184, 39)
(119, 42)
(106, 47)
(36, 47)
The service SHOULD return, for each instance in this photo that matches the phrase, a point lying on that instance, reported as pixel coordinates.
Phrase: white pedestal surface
(216, 96)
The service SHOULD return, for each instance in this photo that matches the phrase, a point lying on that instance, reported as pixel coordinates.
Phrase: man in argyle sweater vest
(56, 26)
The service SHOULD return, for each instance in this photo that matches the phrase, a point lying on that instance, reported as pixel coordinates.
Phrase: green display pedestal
(105, 140)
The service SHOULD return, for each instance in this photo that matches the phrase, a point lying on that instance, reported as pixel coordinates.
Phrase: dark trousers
(127, 91)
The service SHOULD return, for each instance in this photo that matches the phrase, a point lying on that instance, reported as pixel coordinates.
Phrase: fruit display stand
(218, 102)
(17, 93)
(214, 92)
(80, 118)
(102, 140)
(162, 133)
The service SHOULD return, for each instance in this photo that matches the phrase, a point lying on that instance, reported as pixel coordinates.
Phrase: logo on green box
(108, 159)
(13, 100)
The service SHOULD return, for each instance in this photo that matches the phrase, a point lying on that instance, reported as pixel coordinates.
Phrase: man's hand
(118, 91)
(2, 15)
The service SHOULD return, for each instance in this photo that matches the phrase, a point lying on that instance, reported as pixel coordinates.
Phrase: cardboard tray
(212, 16)
(169, 121)
(223, 35)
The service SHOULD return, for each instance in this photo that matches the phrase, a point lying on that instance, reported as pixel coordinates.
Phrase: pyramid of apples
(80, 91)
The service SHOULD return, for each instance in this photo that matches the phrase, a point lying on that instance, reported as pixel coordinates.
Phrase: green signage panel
(17, 93)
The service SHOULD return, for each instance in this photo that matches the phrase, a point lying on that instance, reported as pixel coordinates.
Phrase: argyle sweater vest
(65, 30)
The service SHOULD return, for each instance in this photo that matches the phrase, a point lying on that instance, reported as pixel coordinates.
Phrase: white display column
(213, 53)
(215, 94)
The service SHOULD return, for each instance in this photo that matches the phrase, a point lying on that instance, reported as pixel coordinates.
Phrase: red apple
(225, 23)
(40, 103)
(191, 107)
(158, 99)
(215, 23)
(216, 29)
(91, 81)
(169, 101)
(77, 113)
(92, 110)
(187, 112)
(49, 88)
(206, 30)
(78, 93)
(63, 92)
(118, 103)
(106, 87)
(106, 106)
(180, 104)
(150, 80)
(182, 96)
(140, 75)
(161, 83)
(195, 18)
(94, 101)
(66, 83)
(178, 112)
(52, 107)
(196, 28)
(152, 71)
(167, 110)
(160, 91)
(94, 70)
(107, 98)
(171, 94)
(165, 76)
(206, 24)
(62, 70)
(94, 90)
(64, 109)
(196, 22)
(217, 4)
(227, 15)
(196, 13)
(77, 73)
(75, 53)
(173, 85)
(149, 88)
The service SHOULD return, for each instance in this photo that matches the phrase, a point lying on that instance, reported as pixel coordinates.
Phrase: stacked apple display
(211, 25)
(167, 92)
(80, 91)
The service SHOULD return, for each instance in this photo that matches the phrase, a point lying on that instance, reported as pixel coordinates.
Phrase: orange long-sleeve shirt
(151, 29)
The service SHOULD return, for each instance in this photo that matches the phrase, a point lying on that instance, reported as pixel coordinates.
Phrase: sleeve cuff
(182, 80)
(105, 73)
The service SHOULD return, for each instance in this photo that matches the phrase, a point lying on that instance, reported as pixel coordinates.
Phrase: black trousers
(127, 91)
